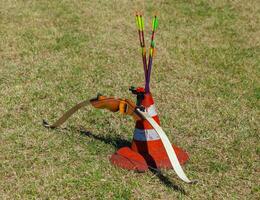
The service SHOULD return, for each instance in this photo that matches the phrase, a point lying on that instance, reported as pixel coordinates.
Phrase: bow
(127, 107)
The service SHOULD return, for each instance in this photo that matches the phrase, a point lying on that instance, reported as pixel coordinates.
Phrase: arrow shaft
(151, 53)
(140, 25)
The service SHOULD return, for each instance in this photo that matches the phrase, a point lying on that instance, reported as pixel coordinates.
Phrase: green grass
(205, 82)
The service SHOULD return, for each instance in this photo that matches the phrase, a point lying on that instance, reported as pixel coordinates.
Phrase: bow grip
(124, 106)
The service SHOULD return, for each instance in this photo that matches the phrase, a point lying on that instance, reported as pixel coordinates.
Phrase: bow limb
(66, 115)
(124, 106)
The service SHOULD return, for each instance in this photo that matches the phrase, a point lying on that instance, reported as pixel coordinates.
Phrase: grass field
(205, 82)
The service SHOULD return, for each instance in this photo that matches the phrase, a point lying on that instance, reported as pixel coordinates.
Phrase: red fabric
(144, 124)
(148, 100)
(140, 89)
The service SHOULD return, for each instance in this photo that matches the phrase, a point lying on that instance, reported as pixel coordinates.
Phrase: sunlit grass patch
(205, 83)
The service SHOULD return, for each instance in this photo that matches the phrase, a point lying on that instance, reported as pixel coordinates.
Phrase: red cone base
(126, 158)
(129, 159)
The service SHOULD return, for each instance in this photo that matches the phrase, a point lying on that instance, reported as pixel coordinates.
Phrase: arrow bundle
(147, 66)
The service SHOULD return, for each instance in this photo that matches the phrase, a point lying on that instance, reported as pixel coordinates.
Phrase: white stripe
(151, 110)
(145, 135)
(168, 147)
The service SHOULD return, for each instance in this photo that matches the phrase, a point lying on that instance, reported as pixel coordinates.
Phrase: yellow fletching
(140, 23)
(137, 22)
(151, 51)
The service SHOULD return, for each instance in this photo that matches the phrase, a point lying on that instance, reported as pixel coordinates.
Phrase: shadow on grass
(167, 182)
(118, 142)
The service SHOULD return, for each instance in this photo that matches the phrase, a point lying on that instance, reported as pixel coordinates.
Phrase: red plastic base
(128, 159)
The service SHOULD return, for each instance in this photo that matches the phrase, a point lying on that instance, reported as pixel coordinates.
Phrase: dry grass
(205, 82)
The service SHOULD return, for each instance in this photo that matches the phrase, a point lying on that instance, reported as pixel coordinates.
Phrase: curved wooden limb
(112, 104)
(66, 115)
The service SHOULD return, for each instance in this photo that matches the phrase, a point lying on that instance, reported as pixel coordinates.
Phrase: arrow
(151, 54)
(140, 27)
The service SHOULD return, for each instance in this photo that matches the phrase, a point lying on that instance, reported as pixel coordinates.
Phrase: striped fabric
(143, 130)
(145, 135)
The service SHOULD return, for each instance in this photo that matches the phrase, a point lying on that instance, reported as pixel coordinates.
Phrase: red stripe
(144, 124)
(148, 146)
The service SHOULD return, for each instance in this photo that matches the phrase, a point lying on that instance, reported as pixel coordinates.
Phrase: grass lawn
(205, 82)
